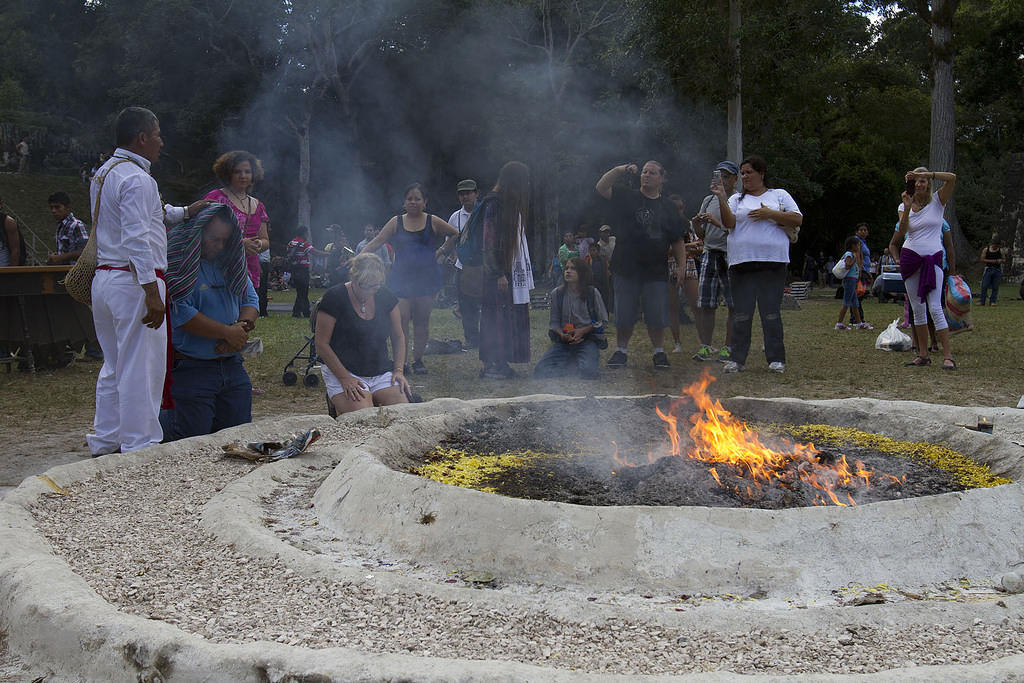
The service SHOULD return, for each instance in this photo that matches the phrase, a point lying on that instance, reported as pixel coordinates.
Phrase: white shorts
(371, 384)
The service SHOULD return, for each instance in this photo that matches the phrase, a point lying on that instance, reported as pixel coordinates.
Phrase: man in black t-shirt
(646, 226)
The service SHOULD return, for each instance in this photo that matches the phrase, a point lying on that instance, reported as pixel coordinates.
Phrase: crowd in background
(649, 261)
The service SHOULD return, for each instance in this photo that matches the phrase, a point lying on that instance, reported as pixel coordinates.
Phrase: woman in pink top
(239, 171)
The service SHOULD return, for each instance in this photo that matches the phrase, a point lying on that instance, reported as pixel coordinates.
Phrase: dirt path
(43, 443)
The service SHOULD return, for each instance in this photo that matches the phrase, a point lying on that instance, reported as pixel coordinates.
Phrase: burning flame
(736, 452)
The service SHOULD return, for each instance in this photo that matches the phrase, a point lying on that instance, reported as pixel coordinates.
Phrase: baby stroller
(307, 355)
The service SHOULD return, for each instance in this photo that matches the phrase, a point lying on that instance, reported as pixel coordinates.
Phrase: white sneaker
(777, 367)
(678, 348)
(732, 366)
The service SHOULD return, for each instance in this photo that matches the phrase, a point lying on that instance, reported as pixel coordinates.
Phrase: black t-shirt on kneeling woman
(361, 345)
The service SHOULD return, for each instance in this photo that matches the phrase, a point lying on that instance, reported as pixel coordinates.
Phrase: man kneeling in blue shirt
(213, 309)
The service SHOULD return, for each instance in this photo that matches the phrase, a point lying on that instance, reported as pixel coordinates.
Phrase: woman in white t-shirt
(920, 258)
(758, 220)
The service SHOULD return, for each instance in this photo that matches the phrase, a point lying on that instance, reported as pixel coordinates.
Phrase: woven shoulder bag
(78, 281)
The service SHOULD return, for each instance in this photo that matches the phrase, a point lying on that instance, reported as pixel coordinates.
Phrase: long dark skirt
(504, 328)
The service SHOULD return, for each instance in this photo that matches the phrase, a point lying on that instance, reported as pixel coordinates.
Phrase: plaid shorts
(714, 280)
(691, 269)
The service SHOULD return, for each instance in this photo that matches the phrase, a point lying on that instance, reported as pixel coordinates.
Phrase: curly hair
(227, 162)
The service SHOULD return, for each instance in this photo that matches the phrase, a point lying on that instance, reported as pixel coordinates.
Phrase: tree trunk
(943, 130)
(1011, 217)
(734, 146)
(305, 206)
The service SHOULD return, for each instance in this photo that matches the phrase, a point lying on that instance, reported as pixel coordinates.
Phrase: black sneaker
(661, 360)
(418, 368)
(618, 360)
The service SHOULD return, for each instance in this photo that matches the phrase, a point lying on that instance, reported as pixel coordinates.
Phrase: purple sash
(911, 261)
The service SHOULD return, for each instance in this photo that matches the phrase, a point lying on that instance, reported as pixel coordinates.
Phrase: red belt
(128, 269)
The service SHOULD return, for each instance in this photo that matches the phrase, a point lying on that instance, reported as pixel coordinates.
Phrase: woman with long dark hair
(759, 221)
(576, 325)
(507, 274)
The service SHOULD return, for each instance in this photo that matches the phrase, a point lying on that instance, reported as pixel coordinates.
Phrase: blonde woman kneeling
(353, 323)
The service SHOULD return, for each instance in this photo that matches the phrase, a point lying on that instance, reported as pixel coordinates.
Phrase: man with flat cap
(467, 279)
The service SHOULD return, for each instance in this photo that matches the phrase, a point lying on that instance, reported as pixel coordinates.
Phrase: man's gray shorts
(632, 293)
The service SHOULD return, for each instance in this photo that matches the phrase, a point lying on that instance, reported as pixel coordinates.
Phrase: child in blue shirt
(853, 260)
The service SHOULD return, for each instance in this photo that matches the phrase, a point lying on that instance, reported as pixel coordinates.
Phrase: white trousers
(130, 386)
(932, 303)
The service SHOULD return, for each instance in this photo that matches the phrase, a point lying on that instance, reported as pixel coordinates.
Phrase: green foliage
(398, 90)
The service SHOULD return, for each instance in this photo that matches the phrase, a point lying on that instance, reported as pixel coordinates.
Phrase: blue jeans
(209, 395)
(561, 359)
(990, 280)
(758, 284)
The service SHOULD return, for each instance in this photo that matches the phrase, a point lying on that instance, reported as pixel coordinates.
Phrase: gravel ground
(134, 534)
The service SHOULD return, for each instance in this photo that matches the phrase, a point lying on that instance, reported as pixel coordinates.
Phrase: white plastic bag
(840, 269)
(893, 338)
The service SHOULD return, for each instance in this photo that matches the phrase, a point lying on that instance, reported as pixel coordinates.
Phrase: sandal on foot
(951, 364)
(918, 362)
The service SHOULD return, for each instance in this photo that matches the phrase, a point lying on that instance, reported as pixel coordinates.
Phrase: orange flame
(720, 439)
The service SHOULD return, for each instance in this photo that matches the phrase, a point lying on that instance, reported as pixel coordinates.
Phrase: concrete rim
(799, 551)
(53, 616)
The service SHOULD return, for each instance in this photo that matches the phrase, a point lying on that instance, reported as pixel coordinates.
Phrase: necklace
(243, 202)
(356, 299)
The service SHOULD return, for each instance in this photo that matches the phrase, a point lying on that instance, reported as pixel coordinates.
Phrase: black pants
(261, 292)
(469, 309)
(757, 284)
(300, 278)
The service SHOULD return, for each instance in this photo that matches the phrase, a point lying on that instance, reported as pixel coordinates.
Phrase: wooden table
(37, 314)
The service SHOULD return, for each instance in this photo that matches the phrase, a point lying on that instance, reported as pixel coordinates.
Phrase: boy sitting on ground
(577, 322)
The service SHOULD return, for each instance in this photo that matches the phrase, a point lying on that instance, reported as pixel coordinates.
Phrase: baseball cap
(467, 185)
(728, 167)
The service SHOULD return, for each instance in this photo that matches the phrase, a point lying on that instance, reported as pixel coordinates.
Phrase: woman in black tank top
(992, 257)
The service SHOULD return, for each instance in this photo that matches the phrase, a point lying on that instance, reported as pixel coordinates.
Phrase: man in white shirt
(127, 291)
(467, 281)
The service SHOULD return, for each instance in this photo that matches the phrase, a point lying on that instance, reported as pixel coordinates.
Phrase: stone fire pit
(173, 564)
(675, 549)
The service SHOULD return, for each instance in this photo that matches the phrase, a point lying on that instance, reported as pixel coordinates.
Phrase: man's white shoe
(777, 367)
(732, 366)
